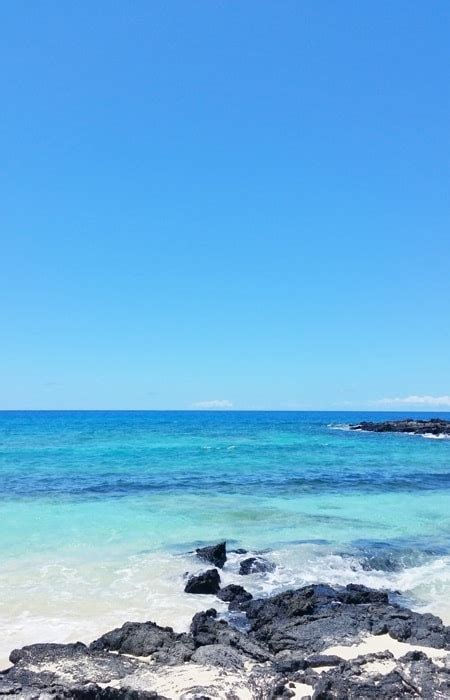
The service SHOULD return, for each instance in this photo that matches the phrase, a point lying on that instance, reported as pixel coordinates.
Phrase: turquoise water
(98, 510)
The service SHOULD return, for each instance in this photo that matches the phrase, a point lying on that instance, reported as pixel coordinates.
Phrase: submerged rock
(433, 426)
(204, 583)
(255, 565)
(215, 554)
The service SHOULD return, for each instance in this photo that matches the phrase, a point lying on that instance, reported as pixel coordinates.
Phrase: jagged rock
(287, 633)
(317, 660)
(145, 639)
(219, 655)
(88, 691)
(204, 583)
(281, 692)
(82, 661)
(215, 554)
(255, 565)
(356, 594)
(38, 653)
(94, 692)
(234, 595)
(69, 671)
(413, 676)
(207, 630)
(433, 426)
(289, 662)
(315, 617)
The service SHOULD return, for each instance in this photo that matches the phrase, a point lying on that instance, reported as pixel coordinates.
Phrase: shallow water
(98, 511)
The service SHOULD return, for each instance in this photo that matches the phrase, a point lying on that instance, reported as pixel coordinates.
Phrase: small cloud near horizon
(214, 403)
(414, 400)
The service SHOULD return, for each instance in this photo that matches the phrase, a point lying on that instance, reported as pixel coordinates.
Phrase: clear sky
(241, 204)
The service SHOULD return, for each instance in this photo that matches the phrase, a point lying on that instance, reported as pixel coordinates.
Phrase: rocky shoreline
(315, 642)
(432, 426)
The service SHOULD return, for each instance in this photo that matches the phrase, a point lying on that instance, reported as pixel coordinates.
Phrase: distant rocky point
(432, 426)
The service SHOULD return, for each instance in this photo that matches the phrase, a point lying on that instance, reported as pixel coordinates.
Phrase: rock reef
(286, 651)
(432, 426)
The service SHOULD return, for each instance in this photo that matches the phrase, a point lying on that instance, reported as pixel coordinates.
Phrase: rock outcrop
(215, 554)
(234, 595)
(255, 565)
(284, 652)
(432, 426)
(208, 582)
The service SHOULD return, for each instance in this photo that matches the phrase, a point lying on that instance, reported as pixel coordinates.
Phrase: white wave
(424, 588)
(339, 426)
(440, 436)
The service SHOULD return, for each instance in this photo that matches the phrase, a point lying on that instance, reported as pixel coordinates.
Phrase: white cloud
(214, 403)
(415, 401)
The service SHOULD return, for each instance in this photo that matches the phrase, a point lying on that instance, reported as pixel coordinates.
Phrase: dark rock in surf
(215, 554)
(433, 426)
(255, 565)
(234, 595)
(208, 582)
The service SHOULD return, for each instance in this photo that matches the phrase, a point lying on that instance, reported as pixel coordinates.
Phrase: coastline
(315, 642)
(151, 587)
(99, 531)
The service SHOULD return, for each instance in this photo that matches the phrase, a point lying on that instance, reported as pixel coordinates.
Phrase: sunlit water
(99, 511)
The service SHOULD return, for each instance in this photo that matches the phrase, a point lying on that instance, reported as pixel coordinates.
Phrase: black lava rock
(234, 595)
(357, 595)
(206, 629)
(286, 635)
(145, 639)
(255, 565)
(433, 426)
(215, 554)
(204, 583)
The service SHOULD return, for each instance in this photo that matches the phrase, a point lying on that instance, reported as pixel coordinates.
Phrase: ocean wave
(439, 436)
(79, 599)
(348, 428)
(424, 586)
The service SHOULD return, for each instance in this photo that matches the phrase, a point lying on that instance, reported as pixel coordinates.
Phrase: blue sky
(225, 204)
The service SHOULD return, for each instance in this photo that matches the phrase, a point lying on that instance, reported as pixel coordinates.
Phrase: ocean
(100, 512)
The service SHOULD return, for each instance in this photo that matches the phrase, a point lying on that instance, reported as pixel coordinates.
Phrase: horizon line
(213, 410)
